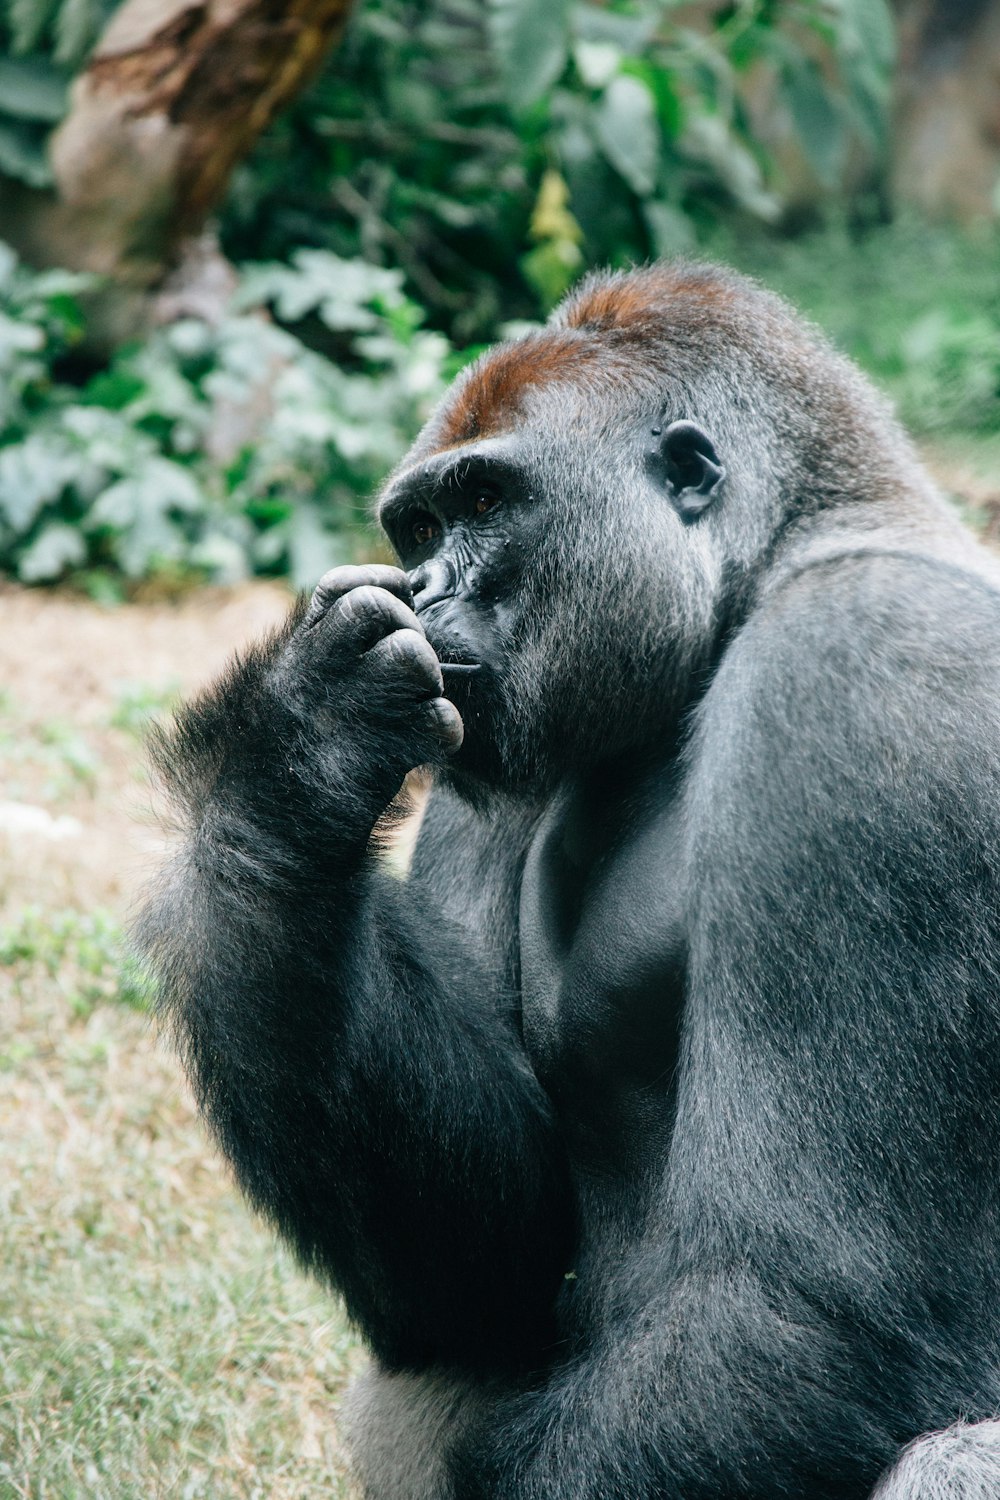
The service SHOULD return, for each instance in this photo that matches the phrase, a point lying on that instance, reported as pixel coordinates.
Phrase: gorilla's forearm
(323, 1005)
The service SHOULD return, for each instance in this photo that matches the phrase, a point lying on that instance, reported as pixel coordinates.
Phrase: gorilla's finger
(408, 654)
(445, 722)
(339, 581)
(362, 617)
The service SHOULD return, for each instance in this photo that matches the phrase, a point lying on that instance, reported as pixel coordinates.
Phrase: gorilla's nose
(432, 582)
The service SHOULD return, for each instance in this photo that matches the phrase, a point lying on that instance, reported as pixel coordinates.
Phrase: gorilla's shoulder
(893, 611)
(865, 666)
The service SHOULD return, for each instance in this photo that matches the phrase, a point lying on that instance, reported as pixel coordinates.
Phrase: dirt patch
(77, 680)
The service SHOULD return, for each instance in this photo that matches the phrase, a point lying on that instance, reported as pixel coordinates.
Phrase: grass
(81, 954)
(155, 1341)
(56, 748)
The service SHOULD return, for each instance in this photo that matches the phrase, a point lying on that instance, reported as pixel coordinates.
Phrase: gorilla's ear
(690, 468)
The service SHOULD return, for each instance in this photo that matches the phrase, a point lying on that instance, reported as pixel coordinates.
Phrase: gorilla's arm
(357, 1055)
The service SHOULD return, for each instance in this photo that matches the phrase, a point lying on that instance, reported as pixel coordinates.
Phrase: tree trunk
(175, 94)
(947, 128)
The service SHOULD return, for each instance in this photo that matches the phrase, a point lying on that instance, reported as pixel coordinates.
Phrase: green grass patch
(82, 956)
(137, 704)
(916, 304)
(155, 1341)
(67, 760)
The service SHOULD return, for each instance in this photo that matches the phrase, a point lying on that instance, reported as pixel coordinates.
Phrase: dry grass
(153, 1340)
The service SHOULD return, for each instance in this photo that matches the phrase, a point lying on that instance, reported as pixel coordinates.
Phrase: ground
(154, 1342)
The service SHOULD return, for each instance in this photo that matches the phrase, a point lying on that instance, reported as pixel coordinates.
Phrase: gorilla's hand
(366, 684)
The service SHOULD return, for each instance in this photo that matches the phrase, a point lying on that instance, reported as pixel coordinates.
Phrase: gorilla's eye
(485, 502)
(424, 529)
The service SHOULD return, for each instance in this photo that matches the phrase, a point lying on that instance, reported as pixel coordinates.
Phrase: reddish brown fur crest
(596, 324)
(631, 303)
(489, 400)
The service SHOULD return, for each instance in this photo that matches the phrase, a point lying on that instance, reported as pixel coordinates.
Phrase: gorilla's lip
(453, 653)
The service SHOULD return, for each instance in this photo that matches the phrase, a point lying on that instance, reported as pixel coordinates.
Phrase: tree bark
(947, 127)
(173, 97)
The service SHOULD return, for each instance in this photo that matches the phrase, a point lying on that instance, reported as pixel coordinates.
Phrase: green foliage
(531, 44)
(215, 450)
(81, 953)
(42, 44)
(434, 138)
(918, 305)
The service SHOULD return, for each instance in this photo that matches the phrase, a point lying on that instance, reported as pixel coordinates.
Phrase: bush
(492, 151)
(917, 304)
(212, 449)
(220, 450)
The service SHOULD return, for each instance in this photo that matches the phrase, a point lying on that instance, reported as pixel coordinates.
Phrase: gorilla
(649, 1127)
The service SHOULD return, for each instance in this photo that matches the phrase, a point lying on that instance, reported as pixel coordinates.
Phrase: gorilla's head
(585, 515)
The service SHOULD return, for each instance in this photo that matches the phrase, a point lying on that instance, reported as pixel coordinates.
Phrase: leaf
(17, 339)
(8, 266)
(867, 28)
(32, 475)
(625, 121)
(818, 122)
(663, 87)
(56, 548)
(597, 62)
(222, 557)
(551, 218)
(32, 88)
(670, 230)
(631, 33)
(22, 155)
(708, 139)
(46, 285)
(27, 20)
(866, 49)
(343, 292)
(550, 268)
(157, 488)
(152, 541)
(530, 41)
(78, 25)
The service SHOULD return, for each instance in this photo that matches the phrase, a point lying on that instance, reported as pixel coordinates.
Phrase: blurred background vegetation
(247, 245)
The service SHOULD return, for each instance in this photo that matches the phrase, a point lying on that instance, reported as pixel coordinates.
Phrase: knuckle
(334, 583)
(385, 575)
(364, 600)
(332, 579)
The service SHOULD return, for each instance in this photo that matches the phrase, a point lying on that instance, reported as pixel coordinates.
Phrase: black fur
(650, 1128)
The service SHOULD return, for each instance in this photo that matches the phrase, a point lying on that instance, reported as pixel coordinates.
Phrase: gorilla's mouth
(455, 647)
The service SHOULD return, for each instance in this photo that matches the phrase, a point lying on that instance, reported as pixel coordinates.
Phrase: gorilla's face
(554, 578)
(467, 527)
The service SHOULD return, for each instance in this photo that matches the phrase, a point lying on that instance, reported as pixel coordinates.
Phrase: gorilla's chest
(602, 943)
